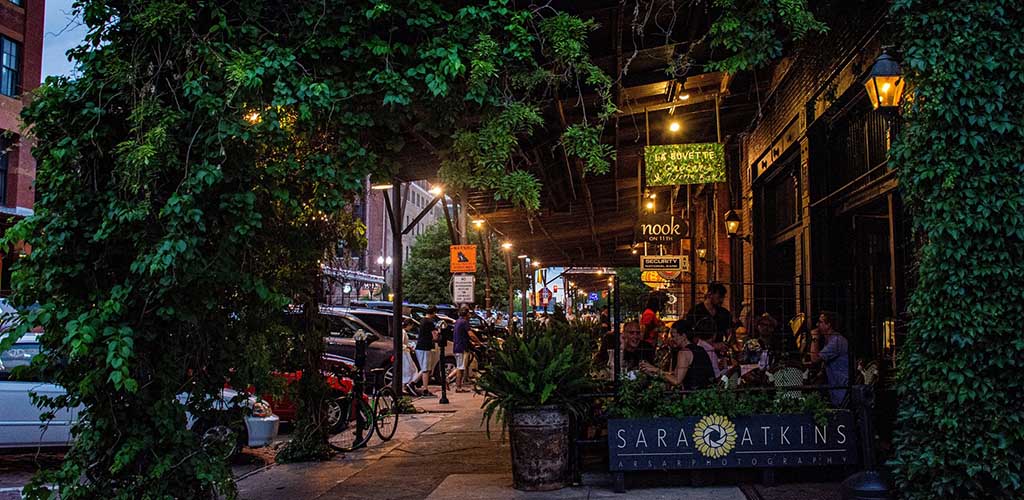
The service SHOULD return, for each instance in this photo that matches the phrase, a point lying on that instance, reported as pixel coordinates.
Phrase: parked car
(285, 408)
(20, 426)
(340, 341)
(380, 305)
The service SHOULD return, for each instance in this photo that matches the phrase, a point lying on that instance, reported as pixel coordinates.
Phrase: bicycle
(354, 417)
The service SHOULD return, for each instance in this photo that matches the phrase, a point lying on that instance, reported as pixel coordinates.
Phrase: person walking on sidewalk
(460, 347)
(425, 343)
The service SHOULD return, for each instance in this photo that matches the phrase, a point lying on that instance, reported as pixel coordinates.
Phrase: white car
(19, 418)
(20, 426)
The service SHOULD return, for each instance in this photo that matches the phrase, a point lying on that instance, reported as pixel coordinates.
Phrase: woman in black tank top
(689, 364)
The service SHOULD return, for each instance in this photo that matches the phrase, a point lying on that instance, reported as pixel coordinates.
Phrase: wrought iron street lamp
(702, 252)
(885, 83)
(732, 225)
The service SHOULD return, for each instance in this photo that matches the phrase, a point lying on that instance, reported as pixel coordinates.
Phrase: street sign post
(462, 288)
(462, 259)
(545, 297)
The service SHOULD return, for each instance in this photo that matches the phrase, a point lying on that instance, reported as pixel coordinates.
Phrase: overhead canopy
(590, 221)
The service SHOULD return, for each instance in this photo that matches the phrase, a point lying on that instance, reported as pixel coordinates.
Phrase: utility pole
(397, 212)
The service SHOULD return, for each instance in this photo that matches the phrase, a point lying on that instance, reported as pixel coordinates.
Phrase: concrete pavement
(439, 455)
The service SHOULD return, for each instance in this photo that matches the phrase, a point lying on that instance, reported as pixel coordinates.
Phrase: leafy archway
(195, 175)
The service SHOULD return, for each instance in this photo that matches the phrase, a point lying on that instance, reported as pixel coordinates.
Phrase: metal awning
(350, 275)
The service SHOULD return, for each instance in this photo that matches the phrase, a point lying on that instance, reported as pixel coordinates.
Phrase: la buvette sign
(716, 441)
(675, 164)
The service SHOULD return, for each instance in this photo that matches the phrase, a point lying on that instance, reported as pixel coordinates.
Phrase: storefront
(827, 230)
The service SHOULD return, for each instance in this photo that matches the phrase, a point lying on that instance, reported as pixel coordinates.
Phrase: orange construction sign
(463, 258)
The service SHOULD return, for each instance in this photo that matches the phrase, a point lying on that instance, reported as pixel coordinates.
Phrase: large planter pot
(539, 438)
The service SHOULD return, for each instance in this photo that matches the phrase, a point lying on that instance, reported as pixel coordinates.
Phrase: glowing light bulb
(674, 127)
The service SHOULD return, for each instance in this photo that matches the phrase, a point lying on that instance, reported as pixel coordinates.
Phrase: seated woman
(689, 364)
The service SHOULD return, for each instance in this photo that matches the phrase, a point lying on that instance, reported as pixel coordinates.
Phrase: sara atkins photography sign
(675, 164)
(715, 441)
(660, 228)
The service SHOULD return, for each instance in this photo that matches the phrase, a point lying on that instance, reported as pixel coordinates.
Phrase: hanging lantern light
(732, 223)
(885, 83)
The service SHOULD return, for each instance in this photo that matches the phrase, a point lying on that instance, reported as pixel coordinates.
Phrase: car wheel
(332, 410)
(220, 440)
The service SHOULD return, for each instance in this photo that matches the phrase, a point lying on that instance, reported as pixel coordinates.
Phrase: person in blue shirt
(460, 347)
(832, 349)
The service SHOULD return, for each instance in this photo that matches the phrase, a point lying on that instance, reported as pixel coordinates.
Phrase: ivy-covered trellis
(960, 159)
(194, 176)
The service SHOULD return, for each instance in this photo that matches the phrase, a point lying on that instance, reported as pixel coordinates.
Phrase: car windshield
(379, 322)
(339, 326)
(17, 355)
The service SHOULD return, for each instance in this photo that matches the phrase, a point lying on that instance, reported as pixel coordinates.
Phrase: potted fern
(532, 387)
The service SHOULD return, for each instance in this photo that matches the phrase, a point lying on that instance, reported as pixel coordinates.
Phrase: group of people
(707, 346)
(427, 351)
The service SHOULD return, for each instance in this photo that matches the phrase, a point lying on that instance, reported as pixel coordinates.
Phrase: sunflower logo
(715, 436)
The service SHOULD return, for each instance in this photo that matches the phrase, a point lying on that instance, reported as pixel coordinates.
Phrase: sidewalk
(439, 455)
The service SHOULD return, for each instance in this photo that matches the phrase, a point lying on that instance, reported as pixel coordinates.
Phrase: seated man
(634, 349)
(834, 353)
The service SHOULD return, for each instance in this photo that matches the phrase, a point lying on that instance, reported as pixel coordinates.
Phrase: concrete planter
(539, 438)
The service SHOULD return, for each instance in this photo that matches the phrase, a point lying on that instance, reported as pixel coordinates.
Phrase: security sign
(463, 259)
(669, 263)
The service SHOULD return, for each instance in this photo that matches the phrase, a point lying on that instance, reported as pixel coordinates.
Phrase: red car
(285, 407)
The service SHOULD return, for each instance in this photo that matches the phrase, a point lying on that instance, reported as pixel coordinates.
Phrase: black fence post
(868, 483)
(618, 335)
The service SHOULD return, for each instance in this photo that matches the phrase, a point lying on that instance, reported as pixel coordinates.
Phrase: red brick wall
(25, 25)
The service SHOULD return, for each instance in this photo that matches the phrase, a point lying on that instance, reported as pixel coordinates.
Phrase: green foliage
(536, 367)
(427, 278)
(632, 293)
(959, 157)
(647, 397)
(753, 31)
(584, 143)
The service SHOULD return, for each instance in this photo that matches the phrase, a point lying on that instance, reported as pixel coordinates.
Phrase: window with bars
(856, 145)
(10, 67)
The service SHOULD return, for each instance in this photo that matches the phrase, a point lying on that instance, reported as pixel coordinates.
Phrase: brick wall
(804, 89)
(23, 25)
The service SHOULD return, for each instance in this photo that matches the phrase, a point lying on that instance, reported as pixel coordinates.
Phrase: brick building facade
(21, 48)
(819, 202)
(358, 275)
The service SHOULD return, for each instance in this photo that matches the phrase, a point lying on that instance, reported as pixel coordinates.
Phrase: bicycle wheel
(354, 425)
(385, 405)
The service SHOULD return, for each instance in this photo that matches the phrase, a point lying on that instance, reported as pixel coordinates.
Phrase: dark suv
(340, 341)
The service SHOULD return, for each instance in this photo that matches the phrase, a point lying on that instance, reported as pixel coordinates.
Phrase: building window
(780, 198)
(16, 2)
(10, 67)
(4, 146)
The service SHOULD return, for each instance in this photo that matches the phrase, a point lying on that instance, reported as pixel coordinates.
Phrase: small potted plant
(531, 387)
